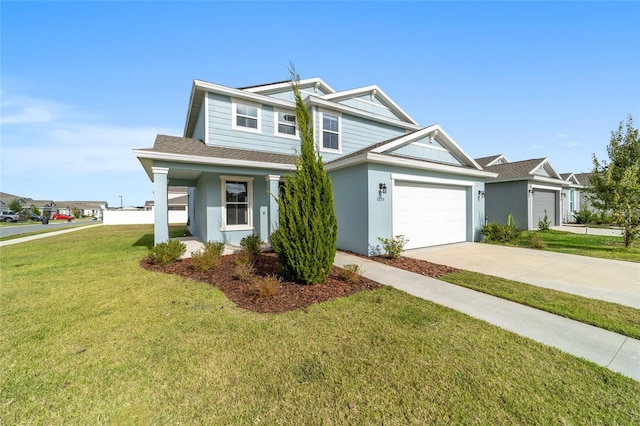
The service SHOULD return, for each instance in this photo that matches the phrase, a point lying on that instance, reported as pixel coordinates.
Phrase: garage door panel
(544, 200)
(429, 215)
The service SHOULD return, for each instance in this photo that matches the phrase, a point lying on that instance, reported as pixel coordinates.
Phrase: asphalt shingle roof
(197, 148)
(583, 178)
(516, 169)
(483, 161)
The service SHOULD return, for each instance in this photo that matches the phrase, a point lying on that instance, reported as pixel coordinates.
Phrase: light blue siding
(221, 132)
(198, 130)
(357, 133)
(375, 107)
(426, 151)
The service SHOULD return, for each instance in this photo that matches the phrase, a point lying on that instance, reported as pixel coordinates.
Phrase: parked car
(35, 217)
(62, 216)
(11, 216)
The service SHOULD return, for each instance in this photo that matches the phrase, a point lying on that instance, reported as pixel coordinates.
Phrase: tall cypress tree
(305, 240)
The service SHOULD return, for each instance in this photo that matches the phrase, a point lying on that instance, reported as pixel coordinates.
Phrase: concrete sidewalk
(616, 352)
(610, 280)
(45, 235)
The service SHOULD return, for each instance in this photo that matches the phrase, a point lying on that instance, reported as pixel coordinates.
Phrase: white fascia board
(549, 180)
(241, 94)
(309, 82)
(371, 157)
(547, 165)
(533, 178)
(189, 109)
(498, 158)
(183, 158)
(315, 100)
(548, 188)
(446, 139)
(433, 180)
(384, 98)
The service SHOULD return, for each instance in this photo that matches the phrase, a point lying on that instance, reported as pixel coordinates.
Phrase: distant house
(176, 198)
(390, 174)
(572, 196)
(49, 207)
(526, 189)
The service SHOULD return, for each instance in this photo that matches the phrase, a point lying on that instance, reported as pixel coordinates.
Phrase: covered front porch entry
(224, 203)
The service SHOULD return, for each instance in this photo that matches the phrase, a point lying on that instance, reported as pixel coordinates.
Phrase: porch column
(273, 186)
(161, 204)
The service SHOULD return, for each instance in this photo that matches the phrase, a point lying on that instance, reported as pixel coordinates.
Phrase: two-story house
(390, 175)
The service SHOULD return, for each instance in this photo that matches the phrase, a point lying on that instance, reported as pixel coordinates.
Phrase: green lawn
(88, 337)
(605, 247)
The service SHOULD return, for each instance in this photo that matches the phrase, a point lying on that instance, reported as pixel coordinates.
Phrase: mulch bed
(290, 295)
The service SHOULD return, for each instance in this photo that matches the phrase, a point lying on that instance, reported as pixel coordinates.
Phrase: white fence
(140, 217)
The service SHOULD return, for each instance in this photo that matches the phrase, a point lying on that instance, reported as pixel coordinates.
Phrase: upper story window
(246, 117)
(330, 132)
(285, 124)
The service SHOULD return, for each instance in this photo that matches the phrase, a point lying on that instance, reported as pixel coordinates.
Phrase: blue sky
(84, 83)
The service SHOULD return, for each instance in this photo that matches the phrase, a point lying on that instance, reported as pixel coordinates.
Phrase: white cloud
(537, 147)
(572, 144)
(45, 138)
(26, 110)
(560, 136)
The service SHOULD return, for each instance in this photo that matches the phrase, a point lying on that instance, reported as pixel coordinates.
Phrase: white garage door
(429, 215)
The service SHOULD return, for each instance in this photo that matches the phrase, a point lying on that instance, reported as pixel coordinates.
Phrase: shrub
(602, 218)
(583, 216)
(350, 273)
(543, 224)
(209, 257)
(393, 246)
(497, 232)
(167, 252)
(244, 269)
(252, 244)
(537, 242)
(268, 286)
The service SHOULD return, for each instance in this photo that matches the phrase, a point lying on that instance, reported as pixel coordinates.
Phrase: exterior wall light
(382, 187)
(532, 191)
(480, 194)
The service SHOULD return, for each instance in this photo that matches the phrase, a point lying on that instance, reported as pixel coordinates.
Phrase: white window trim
(321, 132)
(223, 197)
(234, 115)
(276, 123)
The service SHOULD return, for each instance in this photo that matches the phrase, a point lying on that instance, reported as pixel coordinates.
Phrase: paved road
(7, 231)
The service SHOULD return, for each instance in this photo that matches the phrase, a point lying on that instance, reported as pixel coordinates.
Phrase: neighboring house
(390, 175)
(525, 189)
(49, 207)
(572, 197)
(46, 207)
(176, 198)
(85, 208)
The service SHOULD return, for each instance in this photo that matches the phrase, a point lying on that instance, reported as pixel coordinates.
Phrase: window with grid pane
(286, 123)
(246, 116)
(237, 203)
(330, 131)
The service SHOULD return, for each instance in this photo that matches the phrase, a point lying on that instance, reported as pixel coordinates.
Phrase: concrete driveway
(611, 280)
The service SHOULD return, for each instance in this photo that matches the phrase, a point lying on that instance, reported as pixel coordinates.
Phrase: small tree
(615, 186)
(305, 240)
(35, 210)
(15, 206)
